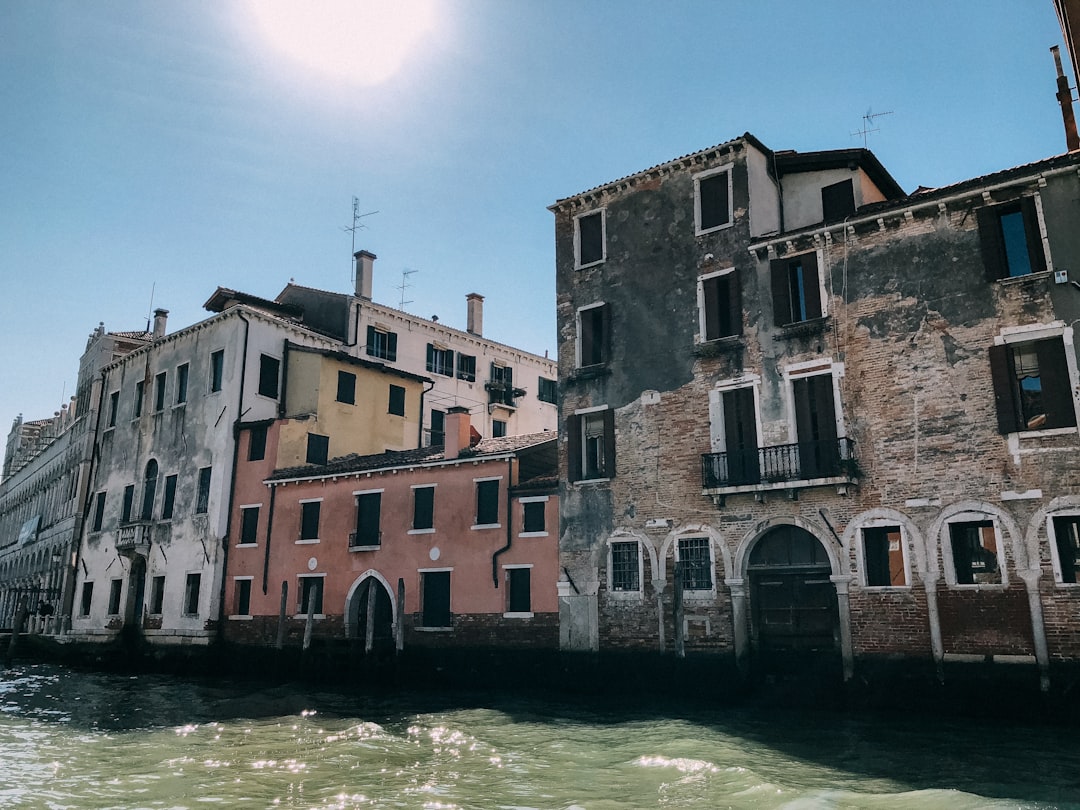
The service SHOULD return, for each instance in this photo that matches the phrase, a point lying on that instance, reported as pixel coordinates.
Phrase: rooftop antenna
(404, 286)
(357, 225)
(150, 312)
(868, 124)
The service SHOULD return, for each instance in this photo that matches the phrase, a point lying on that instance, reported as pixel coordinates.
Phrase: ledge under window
(814, 326)
(589, 373)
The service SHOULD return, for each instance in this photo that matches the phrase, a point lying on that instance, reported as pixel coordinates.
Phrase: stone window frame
(627, 595)
(717, 428)
(813, 368)
(301, 612)
(860, 552)
(424, 529)
(476, 502)
(1034, 333)
(703, 333)
(602, 212)
(509, 614)
(541, 499)
(944, 540)
(1055, 557)
(706, 175)
(576, 440)
(241, 616)
(696, 594)
(240, 535)
(116, 597)
(603, 338)
(300, 539)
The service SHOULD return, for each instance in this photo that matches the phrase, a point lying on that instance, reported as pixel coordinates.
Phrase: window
(593, 335)
(202, 497)
(169, 499)
(498, 428)
(437, 434)
(137, 409)
(518, 590)
(883, 557)
(181, 383)
(796, 289)
(99, 512)
(712, 200)
(487, 502)
(311, 593)
(249, 525)
(397, 400)
(734, 436)
(114, 406)
(435, 599)
(217, 368)
(423, 508)
(318, 448)
(466, 367)
(157, 595)
(500, 385)
(309, 520)
(149, 490)
(257, 443)
(533, 516)
(368, 533)
(591, 445)
(837, 201)
(590, 238)
(346, 387)
(547, 390)
(1011, 239)
(1032, 389)
(440, 361)
(87, 598)
(269, 369)
(815, 426)
(719, 305)
(381, 344)
(1067, 543)
(242, 597)
(129, 500)
(974, 553)
(191, 594)
(695, 563)
(159, 391)
(625, 566)
(116, 587)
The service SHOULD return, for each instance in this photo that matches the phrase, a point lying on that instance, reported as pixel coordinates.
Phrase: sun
(359, 41)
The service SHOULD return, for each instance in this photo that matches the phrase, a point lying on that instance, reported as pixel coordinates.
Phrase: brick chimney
(475, 304)
(1064, 97)
(365, 268)
(160, 316)
(458, 432)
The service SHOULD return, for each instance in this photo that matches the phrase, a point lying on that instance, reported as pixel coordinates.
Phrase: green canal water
(76, 740)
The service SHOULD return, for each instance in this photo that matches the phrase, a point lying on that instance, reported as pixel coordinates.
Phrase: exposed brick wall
(985, 622)
(1061, 616)
(889, 622)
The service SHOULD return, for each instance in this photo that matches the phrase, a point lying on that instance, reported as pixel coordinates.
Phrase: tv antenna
(357, 225)
(150, 312)
(404, 285)
(868, 124)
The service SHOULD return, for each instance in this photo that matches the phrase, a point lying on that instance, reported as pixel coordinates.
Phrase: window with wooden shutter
(1032, 389)
(721, 307)
(1011, 239)
(796, 289)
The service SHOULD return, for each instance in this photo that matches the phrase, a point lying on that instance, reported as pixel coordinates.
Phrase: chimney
(160, 316)
(1064, 97)
(457, 431)
(365, 268)
(475, 304)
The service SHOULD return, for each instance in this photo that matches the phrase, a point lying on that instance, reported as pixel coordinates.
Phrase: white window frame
(241, 617)
(860, 553)
(302, 541)
(587, 412)
(727, 167)
(1055, 558)
(423, 486)
(506, 580)
(814, 368)
(1033, 333)
(697, 594)
(238, 543)
(701, 337)
(532, 499)
(484, 525)
(948, 564)
(717, 428)
(577, 330)
(627, 596)
(301, 614)
(602, 211)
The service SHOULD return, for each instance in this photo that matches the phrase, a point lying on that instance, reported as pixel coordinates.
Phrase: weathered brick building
(846, 416)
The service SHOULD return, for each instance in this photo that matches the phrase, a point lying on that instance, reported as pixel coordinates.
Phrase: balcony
(134, 537)
(364, 541)
(780, 467)
(503, 393)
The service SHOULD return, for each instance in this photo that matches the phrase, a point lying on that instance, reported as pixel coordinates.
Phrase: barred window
(625, 566)
(695, 563)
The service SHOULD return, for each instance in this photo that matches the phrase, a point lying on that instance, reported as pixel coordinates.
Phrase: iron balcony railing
(802, 461)
(365, 539)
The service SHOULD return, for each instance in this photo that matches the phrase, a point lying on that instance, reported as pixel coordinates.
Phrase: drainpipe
(420, 436)
(269, 530)
(509, 524)
(232, 482)
(284, 379)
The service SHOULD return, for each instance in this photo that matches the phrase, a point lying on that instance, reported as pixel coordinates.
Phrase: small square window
(381, 344)
(466, 367)
(440, 361)
(318, 448)
(1032, 386)
(269, 370)
(498, 428)
(547, 390)
(837, 201)
(533, 518)
(397, 400)
(346, 387)
(1011, 239)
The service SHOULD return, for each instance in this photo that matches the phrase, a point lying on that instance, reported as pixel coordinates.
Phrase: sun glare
(360, 41)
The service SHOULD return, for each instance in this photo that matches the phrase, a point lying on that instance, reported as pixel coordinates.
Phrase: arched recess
(648, 567)
(1049, 524)
(912, 536)
(384, 629)
(939, 551)
(718, 550)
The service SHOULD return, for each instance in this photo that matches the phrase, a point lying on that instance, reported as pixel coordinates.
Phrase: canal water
(75, 740)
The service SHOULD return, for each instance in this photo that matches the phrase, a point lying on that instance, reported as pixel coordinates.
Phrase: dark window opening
(368, 521)
(257, 443)
(269, 371)
(116, 587)
(114, 406)
(381, 344)
(423, 508)
(346, 387)
(590, 231)
(591, 445)
(181, 383)
(242, 605)
(99, 512)
(533, 516)
(311, 595)
(159, 391)
(466, 367)
(498, 428)
(440, 361)
(487, 503)
(191, 594)
(87, 598)
(500, 386)
(695, 563)
(170, 497)
(593, 338)
(217, 368)
(547, 390)
(137, 411)
(883, 556)
(714, 202)
(1067, 539)
(435, 599)
(838, 201)
(437, 434)
(625, 566)
(309, 520)
(202, 498)
(149, 490)
(1011, 240)
(974, 551)
(129, 500)
(796, 289)
(157, 595)
(518, 590)
(1032, 390)
(396, 405)
(721, 305)
(318, 448)
(815, 426)
(249, 525)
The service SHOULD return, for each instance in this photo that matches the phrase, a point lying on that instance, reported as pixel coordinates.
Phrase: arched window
(149, 490)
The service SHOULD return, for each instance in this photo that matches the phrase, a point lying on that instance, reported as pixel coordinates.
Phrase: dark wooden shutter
(991, 242)
(573, 447)
(781, 296)
(1056, 387)
(605, 333)
(711, 291)
(1002, 378)
(811, 285)
(430, 357)
(734, 304)
(436, 607)
(391, 346)
(1030, 214)
(423, 507)
(368, 517)
(371, 340)
(740, 436)
(609, 443)
(586, 328)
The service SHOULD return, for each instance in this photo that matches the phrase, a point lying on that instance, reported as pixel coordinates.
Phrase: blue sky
(167, 148)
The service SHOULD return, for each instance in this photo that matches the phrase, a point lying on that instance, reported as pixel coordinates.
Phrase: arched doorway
(372, 614)
(792, 598)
